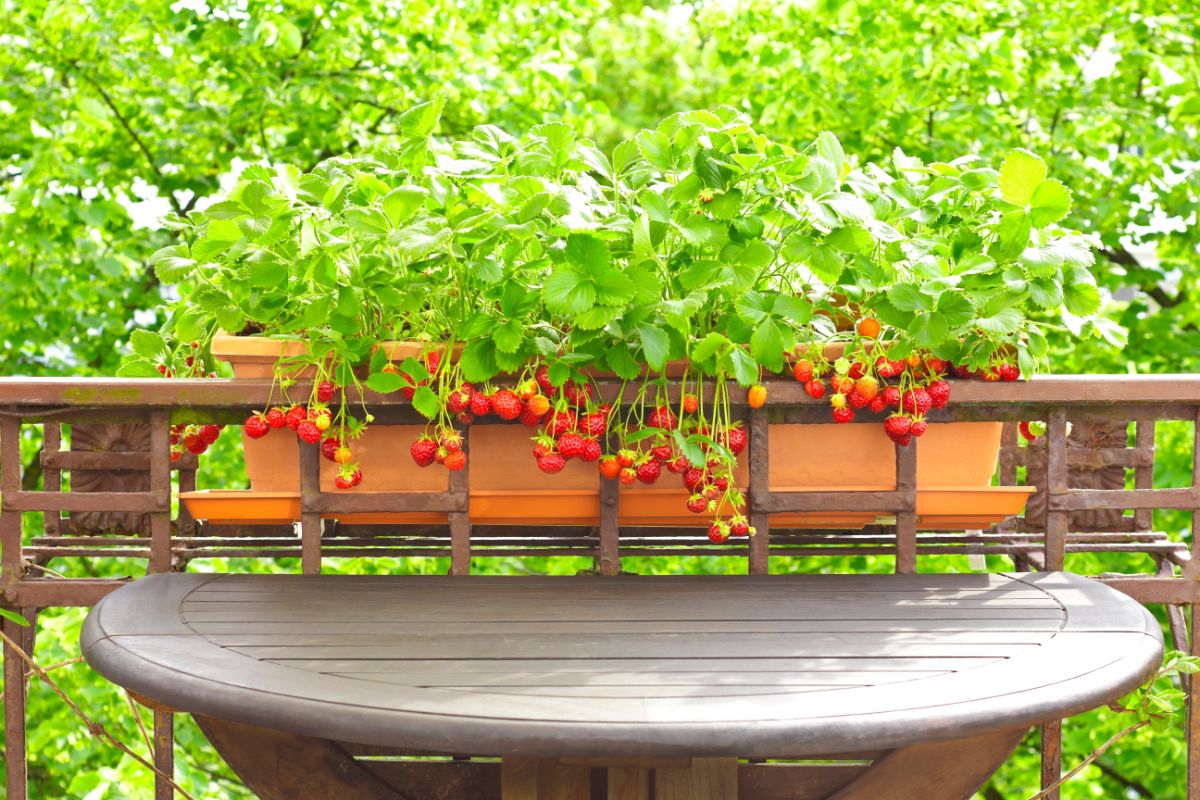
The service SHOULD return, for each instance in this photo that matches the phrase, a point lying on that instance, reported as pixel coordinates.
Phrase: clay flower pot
(507, 487)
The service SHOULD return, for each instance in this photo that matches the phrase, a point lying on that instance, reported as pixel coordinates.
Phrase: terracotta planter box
(507, 487)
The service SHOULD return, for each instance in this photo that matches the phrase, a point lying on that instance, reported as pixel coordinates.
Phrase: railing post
(164, 754)
(906, 518)
(760, 470)
(16, 780)
(1190, 574)
(460, 521)
(310, 521)
(610, 527)
(160, 487)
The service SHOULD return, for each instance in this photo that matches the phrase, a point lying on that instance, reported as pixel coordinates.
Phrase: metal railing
(122, 485)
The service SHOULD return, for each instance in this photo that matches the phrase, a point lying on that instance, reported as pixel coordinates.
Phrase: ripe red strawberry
(1030, 431)
(697, 504)
(308, 432)
(939, 393)
(466, 418)
(329, 446)
(878, 405)
(626, 457)
(451, 441)
(1009, 372)
(710, 491)
(423, 451)
(662, 453)
(194, 445)
(542, 445)
(867, 386)
(991, 375)
(591, 450)
(857, 401)
(916, 401)
(897, 426)
(815, 388)
(648, 471)
(609, 467)
(736, 439)
(459, 400)
(739, 526)
(538, 404)
(628, 475)
(256, 427)
(756, 396)
(432, 359)
(718, 533)
(176, 454)
(690, 404)
(506, 404)
(570, 445)
(295, 415)
(325, 391)
(962, 372)
(721, 482)
(343, 481)
(891, 396)
(802, 370)
(551, 463)
(937, 366)
(661, 417)
(561, 422)
(843, 415)
(440, 455)
(594, 424)
(543, 378)
(692, 478)
(679, 465)
(842, 384)
(577, 394)
(919, 425)
(480, 405)
(456, 461)
(857, 370)
(530, 419)
(356, 477)
(409, 389)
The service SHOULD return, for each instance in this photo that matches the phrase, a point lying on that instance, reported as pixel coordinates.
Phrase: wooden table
(929, 681)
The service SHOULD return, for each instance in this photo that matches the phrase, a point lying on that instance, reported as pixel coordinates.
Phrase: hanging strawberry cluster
(312, 423)
(863, 380)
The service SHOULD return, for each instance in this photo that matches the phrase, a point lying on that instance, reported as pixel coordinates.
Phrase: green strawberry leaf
(426, 402)
(1051, 202)
(1020, 175)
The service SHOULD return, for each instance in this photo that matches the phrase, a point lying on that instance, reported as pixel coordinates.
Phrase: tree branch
(139, 143)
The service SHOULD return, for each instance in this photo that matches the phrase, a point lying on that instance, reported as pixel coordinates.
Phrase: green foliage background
(113, 105)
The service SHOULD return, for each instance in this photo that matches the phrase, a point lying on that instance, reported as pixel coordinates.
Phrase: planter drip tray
(938, 508)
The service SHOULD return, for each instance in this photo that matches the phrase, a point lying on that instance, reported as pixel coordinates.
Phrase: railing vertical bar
(187, 483)
(310, 521)
(164, 754)
(1008, 461)
(1143, 474)
(460, 521)
(1056, 484)
(160, 486)
(52, 475)
(1051, 757)
(760, 465)
(10, 485)
(610, 527)
(16, 779)
(906, 518)
(1189, 573)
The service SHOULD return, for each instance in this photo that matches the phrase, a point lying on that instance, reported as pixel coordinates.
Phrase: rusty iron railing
(122, 481)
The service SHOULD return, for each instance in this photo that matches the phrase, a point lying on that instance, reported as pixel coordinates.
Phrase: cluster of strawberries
(861, 384)
(311, 425)
(194, 439)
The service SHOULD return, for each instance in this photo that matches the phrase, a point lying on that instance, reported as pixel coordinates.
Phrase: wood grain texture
(705, 779)
(752, 666)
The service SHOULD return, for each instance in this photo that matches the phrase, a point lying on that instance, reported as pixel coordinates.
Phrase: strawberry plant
(527, 266)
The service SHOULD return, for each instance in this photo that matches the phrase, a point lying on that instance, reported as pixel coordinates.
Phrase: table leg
(952, 770)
